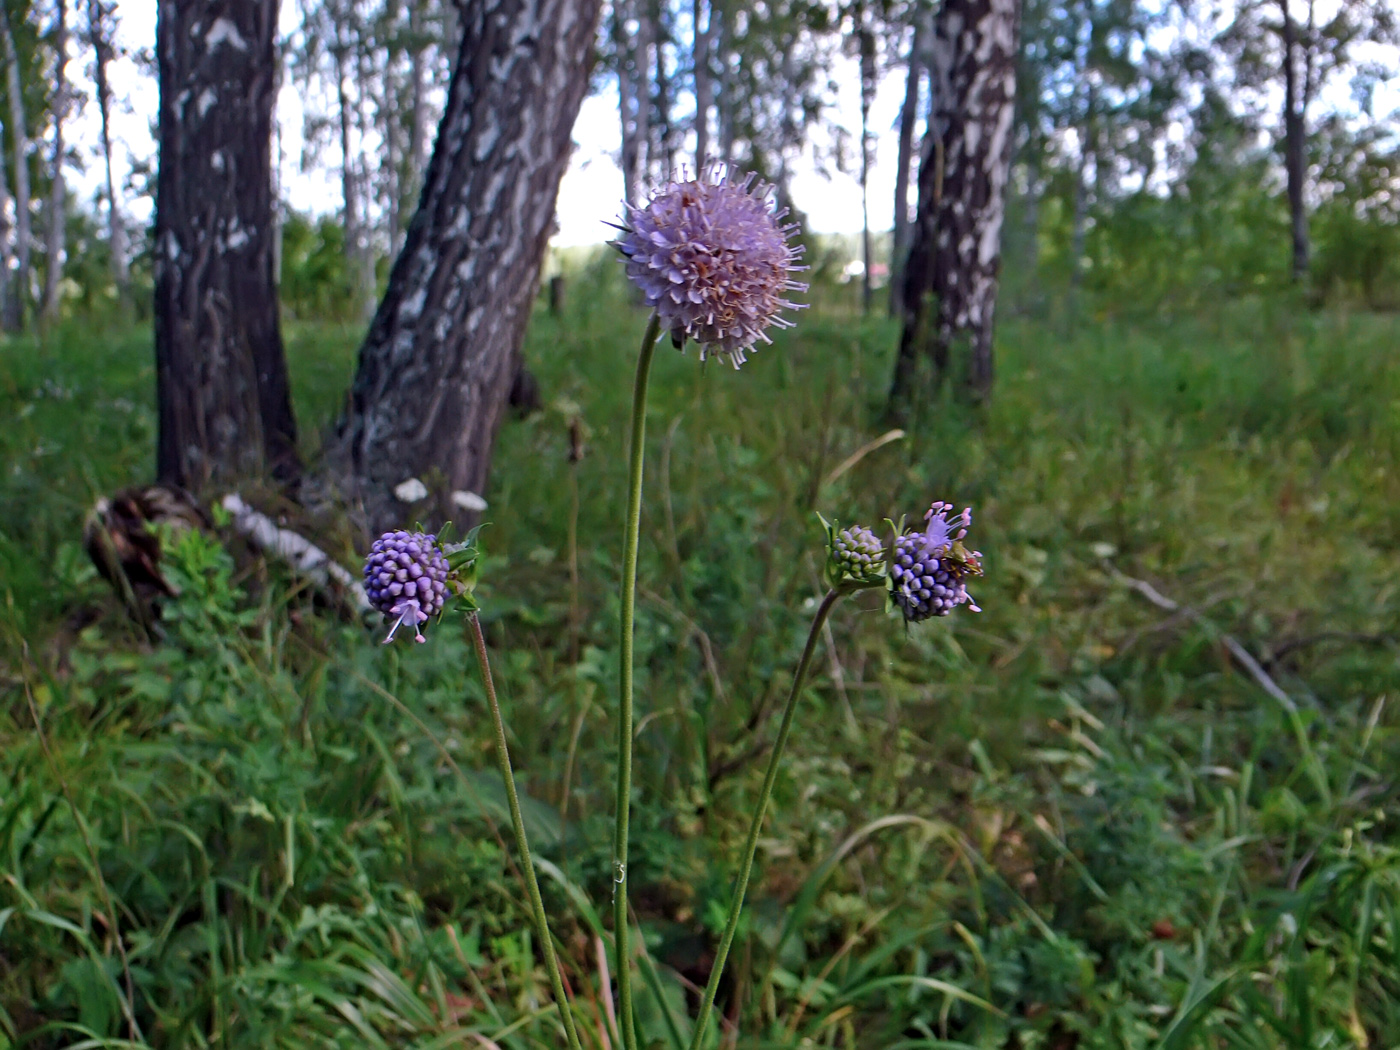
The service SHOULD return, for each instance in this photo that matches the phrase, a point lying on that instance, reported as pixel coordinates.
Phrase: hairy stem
(741, 884)
(556, 980)
(636, 449)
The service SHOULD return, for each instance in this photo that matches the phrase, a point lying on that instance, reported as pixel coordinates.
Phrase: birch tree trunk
(436, 367)
(867, 97)
(100, 39)
(908, 118)
(391, 120)
(24, 237)
(418, 118)
(53, 244)
(221, 376)
(364, 78)
(628, 101)
(349, 175)
(955, 255)
(704, 86)
(1295, 145)
(665, 138)
(9, 322)
(726, 108)
(1088, 155)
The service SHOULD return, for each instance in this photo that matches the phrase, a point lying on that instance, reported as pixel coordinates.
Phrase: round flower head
(857, 556)
(712, 257)
(406, 577)
(930, 569)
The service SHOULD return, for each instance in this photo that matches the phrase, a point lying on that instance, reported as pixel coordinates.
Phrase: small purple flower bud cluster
(858, 555)
(928, 577)
(712, 257)
(406, 577)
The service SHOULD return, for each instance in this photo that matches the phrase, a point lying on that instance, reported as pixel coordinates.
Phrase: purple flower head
(406, 577)
(712, 257)
(930, 570)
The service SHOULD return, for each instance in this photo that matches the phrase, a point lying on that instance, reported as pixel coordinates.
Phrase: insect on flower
(930, 570)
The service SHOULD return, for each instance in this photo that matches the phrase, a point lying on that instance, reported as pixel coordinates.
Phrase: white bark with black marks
(955, 258)
(221, 378)
(57, 214)
(437, 364)
(704, 83)
(9, 321)
(866, 39)
(904, 163)
(100, 30)
(1296, 97)
(19, 135)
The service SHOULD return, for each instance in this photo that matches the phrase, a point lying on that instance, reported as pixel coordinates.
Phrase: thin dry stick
(605, 983)
(860, 453)
(134, 1030)
(1238, 651)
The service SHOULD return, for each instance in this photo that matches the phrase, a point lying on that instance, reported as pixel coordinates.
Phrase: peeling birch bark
(221, 376)
(438, 361)
(954, 263)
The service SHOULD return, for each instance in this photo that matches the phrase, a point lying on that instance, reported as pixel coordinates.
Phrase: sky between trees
(830, 197)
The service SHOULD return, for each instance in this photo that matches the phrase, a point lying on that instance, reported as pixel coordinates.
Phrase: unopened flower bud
(855, 557)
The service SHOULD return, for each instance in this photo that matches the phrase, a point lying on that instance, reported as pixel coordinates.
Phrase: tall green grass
(1071, 821)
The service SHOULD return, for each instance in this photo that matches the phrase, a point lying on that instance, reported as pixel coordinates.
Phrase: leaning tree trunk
(437, 364)
(221, 376)
(955, 256)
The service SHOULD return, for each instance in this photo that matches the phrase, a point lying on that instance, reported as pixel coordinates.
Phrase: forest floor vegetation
(1071, 821)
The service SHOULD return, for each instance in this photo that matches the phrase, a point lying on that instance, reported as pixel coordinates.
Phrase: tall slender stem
(741, 884)
(532, 886)
(636, 449)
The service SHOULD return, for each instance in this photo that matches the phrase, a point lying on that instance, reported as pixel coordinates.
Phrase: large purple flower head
(406, 577)
(930, 569)
(712, 257)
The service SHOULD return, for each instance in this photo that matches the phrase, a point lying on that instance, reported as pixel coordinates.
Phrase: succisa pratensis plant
(714, 262)
(925, 575)
(410, 578)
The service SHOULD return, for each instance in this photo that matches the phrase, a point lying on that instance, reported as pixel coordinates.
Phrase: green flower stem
(636, 450)
(741, 884)
(556, 980)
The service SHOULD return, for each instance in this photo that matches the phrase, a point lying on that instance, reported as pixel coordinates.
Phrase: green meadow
(1076, 819)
